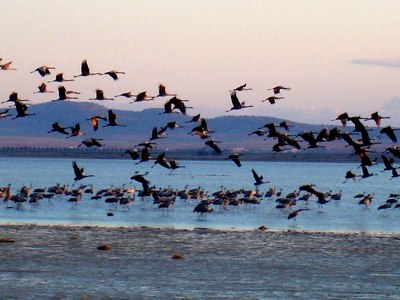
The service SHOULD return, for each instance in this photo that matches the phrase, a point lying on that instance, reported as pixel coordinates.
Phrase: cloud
(393, 62)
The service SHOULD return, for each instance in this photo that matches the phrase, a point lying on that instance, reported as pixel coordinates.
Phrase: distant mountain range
(232, 131)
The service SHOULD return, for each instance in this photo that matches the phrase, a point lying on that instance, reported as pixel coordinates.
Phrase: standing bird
(113, 74)
(43, 89)
(85, 71)
(236, 104)
(112, 119)
(235, 158)
(295, 213)
(79, 172)
(258, 179)
(43, 70)
(100, 96)
(277, 89)
(162, 92)
(94, 121)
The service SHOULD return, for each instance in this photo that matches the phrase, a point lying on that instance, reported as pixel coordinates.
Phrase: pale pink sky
(336, 55)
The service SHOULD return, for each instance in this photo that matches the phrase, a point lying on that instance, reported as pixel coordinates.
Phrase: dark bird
(155, 134)
(113, 74)
(258, 179)
(7, 67)
(395, 174)
(43, 89)
(179, 104)
(60, 78)
(140, 178)
(308, 136)
(258, 132)
(388, 163)
(389, 131)
(146, 144)
(174, 165)
(79, 172)
(203, 207)
(213, 144)
(112, 119)
(126, 95)
(56, 127)
(236, 104)
(13, 97)
(142, 97)
(21, 110)
(162, 92)
(63, 93)
(94, 121)
(272, 99)
(195, 119)
(350, 175)
(43, 70)
(277, 89)
(85, 71)
(235, 158)
(162, 161)
(242, 87)
(377, 118)
(285, 125)
(144, 155)
(91, 142)
(75, 131)
(365, 172)
(295, 213)
(100, 96)
(134, 153)
(343, 118)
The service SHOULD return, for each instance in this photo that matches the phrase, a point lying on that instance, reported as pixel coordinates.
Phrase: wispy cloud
(393, 62)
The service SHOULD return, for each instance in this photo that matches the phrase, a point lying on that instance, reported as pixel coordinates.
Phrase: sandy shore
(55, 262)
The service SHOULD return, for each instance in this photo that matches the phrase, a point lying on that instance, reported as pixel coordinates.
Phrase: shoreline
(59, 262)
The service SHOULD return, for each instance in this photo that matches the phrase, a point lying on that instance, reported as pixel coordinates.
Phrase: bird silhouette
(144, 155)
(91, 142)
(240, 88)
(134, 154)
(194, 119)
(343, 118)
(236, 104)
(213, 145)
(94, 121)
(155, 134)
(272, 99)
(13, 97)
(85, 71)
(295, 213)
(79, 172)
(43, 70)
(390, 132)
(100, 96)
(174, 165)
(258, 179)
(142, 97)
(179, 104)
(113, 74)
(21, 109)
(4, 114)
(63, 94)
(235, 158)
(7, 67)
(162, 161)
(112, 119)
(60, 78)
(75, 131)
(56, 127)
(277, 89)
(377, 118)
(140, 178)
(43, 89)
(162, 92)
(126, 95)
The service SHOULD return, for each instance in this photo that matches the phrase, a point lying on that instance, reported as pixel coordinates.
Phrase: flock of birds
(165, 198)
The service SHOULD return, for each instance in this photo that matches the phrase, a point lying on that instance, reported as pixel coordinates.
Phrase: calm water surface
(343, 215)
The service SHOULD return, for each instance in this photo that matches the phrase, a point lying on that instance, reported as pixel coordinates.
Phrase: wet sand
(58, 262)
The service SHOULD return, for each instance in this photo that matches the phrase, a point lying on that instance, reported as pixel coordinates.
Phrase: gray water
(345, 215)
